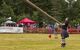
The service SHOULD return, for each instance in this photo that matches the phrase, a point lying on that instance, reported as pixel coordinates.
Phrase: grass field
(37, 42)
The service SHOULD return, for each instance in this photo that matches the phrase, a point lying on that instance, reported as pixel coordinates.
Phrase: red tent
(26, 21)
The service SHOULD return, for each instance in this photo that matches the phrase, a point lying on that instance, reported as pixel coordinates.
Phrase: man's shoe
(63, 45)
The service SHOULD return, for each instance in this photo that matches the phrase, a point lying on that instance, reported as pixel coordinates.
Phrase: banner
(11, 29)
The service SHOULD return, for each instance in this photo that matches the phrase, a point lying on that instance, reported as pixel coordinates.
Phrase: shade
(27, 20)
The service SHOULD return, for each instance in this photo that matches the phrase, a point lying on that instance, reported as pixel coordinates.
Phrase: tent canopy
(27, 20)
(10, 22)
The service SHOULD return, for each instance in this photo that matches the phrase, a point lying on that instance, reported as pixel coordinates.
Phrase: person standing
(56, 26)
(64, 33)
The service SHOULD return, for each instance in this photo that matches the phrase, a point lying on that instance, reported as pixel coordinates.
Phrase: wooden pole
(29, 2)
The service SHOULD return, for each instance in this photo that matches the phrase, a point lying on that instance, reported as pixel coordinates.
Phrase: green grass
(37, 42)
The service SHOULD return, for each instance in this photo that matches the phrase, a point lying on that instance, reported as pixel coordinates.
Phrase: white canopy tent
(9, 21)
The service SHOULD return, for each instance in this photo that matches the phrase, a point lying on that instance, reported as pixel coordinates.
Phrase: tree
(19, 9)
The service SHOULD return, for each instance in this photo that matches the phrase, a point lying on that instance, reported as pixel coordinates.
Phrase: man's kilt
(64, 34)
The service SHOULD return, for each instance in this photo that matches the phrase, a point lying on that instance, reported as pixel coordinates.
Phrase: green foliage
(6, 10)
(19, 9)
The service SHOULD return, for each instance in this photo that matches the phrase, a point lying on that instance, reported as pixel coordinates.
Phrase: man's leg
(63, 43)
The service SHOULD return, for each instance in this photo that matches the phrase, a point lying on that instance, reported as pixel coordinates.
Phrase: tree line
(18, 9)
